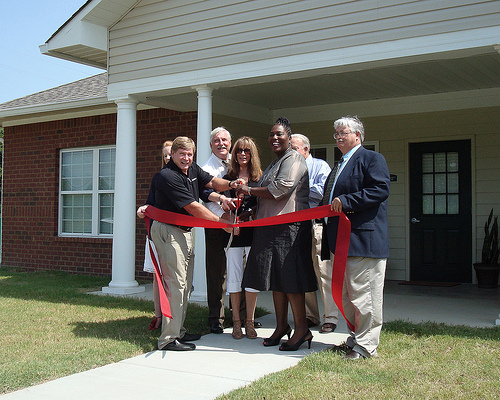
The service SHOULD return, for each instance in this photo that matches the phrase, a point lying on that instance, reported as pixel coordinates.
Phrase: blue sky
(24, 25)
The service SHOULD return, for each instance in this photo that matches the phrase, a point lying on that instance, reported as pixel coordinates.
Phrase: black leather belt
(184, 228)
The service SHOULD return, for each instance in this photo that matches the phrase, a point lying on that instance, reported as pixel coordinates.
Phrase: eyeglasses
(238, 151)
(337, 135)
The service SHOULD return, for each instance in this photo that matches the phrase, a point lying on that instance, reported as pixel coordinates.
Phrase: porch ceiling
(383, 82)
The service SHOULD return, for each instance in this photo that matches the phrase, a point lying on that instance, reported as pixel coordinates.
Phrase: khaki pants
(323, 270)
(362, 298)
(175, 251)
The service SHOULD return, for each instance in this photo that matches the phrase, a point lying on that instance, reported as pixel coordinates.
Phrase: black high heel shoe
(276, 341)
(308, 337)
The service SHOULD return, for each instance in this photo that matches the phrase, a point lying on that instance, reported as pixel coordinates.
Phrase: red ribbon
(164, 303)
(341, 248)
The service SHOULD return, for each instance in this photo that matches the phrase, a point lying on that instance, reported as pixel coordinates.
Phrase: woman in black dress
(280, 257)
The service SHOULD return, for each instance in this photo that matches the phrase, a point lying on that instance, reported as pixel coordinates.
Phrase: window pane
(67, 226)
(452, 183)
(66, 171)
(87, 170)
(76, 200)
(77, 227)
(452, 162)
(428, 183)
(106, 169)
(440, 162)
(440, 183)
(66, 158)
(106, 183)
(106, 213)
(76, 170)
(453, 204)
(440, 207)
(427, 163)
(87, 226)
(67, 213)
(428, 204)
(319, 152)
(65, 185)
(78, 213)
(74, 212)
(77, 158)
(88, 157)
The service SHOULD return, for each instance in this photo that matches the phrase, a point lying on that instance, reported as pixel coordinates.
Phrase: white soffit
(84, 37)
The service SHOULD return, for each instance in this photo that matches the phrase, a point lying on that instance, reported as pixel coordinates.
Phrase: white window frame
(95, 192)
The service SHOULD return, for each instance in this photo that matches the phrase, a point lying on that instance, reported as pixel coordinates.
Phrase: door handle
(415, 221)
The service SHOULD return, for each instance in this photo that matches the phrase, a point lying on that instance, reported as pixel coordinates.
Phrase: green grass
(50, 327)
(416, 361)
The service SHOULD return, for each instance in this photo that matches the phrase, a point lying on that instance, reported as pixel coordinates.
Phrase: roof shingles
(87, 88)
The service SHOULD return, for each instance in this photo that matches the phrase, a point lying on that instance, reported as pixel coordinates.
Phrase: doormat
(423, 283)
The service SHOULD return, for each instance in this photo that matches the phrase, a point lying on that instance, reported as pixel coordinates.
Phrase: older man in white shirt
(318, 173)
(216, 239)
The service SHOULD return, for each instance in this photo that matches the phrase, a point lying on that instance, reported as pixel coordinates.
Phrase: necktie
(331, 180)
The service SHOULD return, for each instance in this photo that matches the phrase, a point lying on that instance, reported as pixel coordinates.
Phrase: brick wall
(31, 181)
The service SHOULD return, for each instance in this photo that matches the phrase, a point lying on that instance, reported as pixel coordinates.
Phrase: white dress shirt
(318, 173)
(216, 167)
(345, 159)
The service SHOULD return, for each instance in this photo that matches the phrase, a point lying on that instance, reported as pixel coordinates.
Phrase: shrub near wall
(31, 181)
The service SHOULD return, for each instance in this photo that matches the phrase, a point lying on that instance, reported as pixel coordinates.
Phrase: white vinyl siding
(159, 38)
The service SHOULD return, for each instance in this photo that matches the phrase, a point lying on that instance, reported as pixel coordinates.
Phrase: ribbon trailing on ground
(341, 249)
(164, 303)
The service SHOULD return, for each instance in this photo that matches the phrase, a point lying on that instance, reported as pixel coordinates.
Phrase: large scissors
(235, 220)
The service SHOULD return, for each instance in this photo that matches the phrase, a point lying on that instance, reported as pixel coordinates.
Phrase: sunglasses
(238, 151)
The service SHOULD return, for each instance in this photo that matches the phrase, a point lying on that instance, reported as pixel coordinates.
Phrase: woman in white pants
(245, 164)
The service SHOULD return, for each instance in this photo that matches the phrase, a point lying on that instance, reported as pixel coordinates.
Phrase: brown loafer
(327, 327)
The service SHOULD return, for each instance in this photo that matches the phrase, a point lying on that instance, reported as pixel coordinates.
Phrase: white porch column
(123, 262)
(202, 153)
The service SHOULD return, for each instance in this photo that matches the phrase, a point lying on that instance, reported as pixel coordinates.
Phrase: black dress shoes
(190, 337)
(216, 327)
(327, 327)
(306, 338)
(343, 348)
(178, 346)
(354, 355)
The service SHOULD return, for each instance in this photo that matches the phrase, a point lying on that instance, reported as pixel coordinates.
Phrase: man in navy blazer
(360, 188)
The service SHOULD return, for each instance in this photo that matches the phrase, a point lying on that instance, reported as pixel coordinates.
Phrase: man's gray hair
(217, 131)
(353, 123)
(305, 140)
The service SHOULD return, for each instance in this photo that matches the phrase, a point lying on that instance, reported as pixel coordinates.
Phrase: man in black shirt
(177, 188)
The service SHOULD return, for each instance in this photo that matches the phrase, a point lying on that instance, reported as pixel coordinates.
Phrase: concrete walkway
(221, 364)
